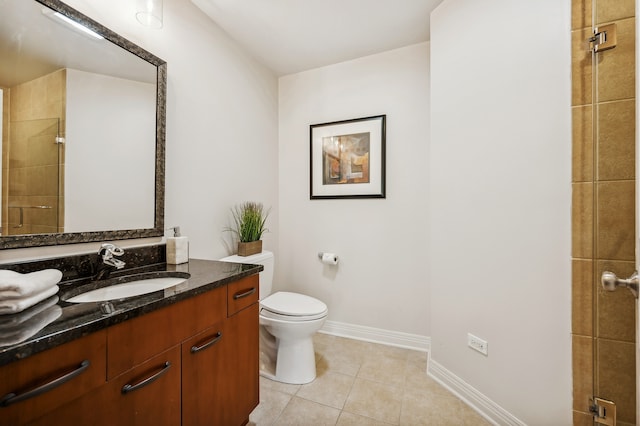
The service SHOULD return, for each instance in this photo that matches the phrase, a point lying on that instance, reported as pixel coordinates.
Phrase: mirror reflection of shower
(31, 192)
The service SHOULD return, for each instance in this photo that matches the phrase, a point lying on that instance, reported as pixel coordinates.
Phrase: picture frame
(348, 158)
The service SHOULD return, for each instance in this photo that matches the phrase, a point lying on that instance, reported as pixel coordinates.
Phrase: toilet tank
(266, 260)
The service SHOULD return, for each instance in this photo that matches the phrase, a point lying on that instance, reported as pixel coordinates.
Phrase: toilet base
(290, 361)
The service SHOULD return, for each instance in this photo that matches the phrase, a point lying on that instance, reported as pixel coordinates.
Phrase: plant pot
(247, 249)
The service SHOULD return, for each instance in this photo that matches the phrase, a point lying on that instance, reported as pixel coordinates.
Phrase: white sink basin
(128, 289)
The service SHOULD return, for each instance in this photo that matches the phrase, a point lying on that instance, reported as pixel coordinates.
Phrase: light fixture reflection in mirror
(149, 13)
(73, 24)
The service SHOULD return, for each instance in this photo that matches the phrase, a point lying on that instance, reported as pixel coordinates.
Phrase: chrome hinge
(604, 38)
(604, 411)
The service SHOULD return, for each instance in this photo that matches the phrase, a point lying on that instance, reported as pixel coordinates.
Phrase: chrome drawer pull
(130, 388)
(245, 294)
(12, 398)
(217, 337)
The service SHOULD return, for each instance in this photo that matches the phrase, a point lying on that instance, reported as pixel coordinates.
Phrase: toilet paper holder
(328, 258)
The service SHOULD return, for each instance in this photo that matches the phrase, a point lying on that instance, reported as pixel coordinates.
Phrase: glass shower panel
(33, 190)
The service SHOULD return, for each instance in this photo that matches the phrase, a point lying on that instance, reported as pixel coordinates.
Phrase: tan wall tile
(582, 356)
(617, 375)
(582, 419)
(616, 140)
(582, 297)
(582, 150)
(615, 310)
(582, 220)
(616, 67)
(581, 68)
(612, 10)
(580, 14)
(616, 220)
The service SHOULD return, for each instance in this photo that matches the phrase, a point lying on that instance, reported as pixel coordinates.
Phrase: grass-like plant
(249, 221)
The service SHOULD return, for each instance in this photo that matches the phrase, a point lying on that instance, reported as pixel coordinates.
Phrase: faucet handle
(108, 249)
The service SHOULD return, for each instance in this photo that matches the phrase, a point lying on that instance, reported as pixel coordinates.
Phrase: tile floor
(361, 383)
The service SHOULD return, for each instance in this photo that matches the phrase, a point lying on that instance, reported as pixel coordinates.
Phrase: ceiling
(290, 36)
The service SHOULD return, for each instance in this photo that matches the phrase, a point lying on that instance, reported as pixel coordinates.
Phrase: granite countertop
(25, 334)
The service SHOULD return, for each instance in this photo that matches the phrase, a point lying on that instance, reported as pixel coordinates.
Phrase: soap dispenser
(177, 248)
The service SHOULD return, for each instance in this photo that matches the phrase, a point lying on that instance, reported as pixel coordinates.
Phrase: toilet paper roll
(329, 258)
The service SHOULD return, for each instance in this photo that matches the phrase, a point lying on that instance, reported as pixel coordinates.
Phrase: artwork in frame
(348, 158)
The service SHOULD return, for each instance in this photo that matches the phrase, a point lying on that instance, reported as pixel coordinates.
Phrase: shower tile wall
(603, 219)
(33, 180)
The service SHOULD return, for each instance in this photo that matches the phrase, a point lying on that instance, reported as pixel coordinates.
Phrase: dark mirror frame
(36, 240)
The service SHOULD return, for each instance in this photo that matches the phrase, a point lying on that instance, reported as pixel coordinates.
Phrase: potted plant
(249, 224)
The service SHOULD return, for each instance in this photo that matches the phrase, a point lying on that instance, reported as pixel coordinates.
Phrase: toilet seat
(288, 306)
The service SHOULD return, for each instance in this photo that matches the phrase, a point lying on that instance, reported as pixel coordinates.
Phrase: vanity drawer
(135, 341)
(81, 362)
(242, 293)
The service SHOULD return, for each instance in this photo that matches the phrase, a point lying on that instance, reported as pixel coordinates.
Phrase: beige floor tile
(417, 379)
(418, 359)
(471, 417)
(379, 401)
(272, 403)
(300, 412)
(425, 408)
(336, 361)
(350, 419)
(355, 349)
(329, 389)
(267, 385)
(384, 369)
(385, 351)
(323, 339)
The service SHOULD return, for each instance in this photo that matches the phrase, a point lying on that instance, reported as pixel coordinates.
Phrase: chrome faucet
(109, 262)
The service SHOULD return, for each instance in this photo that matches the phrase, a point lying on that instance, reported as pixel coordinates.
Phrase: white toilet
(288, 322)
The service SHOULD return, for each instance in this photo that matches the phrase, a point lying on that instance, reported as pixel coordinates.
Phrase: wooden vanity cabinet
(79, 365)
(193, 363)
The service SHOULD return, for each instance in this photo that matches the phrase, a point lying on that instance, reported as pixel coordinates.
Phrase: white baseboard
(377, 335)
(471, 396)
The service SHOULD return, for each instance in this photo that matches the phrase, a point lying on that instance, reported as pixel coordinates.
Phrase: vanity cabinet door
(204, 375)
(147, 395)
(44, 381)
(242, 361)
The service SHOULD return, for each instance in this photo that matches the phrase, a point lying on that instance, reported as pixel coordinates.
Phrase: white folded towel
(16, 285)
(30, 327)
(13, 306)
(10, 322)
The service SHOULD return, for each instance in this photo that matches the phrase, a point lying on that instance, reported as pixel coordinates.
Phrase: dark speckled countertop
(75, 320)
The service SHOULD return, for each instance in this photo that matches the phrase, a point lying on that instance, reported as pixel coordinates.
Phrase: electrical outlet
(478, 344)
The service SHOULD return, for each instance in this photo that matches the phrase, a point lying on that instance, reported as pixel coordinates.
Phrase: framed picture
(348, 158)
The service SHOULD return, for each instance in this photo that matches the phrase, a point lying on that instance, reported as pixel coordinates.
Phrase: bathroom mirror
(83, 129)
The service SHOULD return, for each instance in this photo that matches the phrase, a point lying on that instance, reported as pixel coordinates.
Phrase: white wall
(380, 281)
(221, 122)
(500, 202)
(98, 195)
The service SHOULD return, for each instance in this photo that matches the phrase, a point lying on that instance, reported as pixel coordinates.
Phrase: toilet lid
(293, 304)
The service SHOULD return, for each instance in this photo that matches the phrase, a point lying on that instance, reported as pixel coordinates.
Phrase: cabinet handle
(142, 383)
(217, 337)
(12, 398)
(245, 294)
